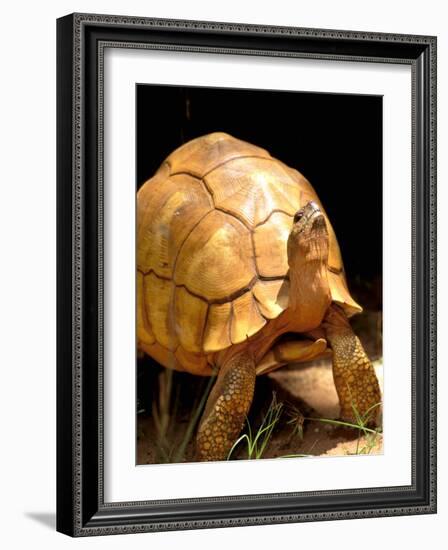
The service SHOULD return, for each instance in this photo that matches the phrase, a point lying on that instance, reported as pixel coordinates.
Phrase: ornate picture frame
(81, 43)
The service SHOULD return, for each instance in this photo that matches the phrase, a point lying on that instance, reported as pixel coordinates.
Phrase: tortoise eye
(298, 216)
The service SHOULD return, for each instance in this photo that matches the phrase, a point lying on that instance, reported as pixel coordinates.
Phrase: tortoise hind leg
(354, 376)
(226, 408)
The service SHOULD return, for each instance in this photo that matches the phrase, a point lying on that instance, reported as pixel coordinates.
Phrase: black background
(334, 140)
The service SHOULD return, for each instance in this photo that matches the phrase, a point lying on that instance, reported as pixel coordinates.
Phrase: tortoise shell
(212, 265)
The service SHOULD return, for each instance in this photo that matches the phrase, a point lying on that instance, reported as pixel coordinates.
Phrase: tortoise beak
(312, 209)
(314, 214)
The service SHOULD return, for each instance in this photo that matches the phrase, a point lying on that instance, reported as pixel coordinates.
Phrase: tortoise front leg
(354, 376)
(226, 408)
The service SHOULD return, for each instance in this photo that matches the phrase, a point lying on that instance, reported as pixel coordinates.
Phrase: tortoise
(238, 273)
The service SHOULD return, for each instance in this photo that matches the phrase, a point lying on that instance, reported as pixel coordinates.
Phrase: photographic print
(246, 274)
(259, 274)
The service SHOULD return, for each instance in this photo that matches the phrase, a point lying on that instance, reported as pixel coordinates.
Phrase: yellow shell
(212, 227)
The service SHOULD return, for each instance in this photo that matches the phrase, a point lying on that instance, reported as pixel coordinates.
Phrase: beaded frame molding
(81, 39)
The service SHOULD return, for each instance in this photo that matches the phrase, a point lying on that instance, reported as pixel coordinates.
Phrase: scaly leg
(226, 408)
(354, 376)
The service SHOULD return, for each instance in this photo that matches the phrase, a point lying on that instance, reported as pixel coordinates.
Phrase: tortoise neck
(309, 284)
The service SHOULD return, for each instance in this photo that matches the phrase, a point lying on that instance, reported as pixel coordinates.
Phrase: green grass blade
(369, 410)
(342, 423)
(249, 429)
(237, 442)
(192, 422)
(268, 433)
(293, 456)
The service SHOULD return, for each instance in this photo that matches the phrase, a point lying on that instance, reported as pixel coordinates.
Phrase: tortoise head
(308, 240)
